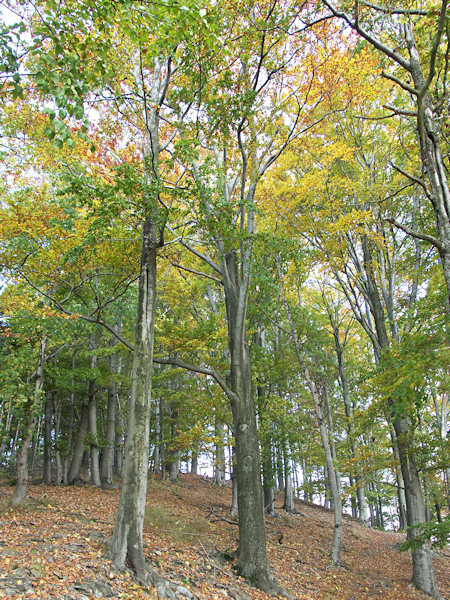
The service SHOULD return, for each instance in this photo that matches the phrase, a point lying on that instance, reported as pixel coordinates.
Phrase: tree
(395, 32)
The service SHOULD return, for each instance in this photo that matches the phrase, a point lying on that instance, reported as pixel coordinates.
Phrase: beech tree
(421, 70)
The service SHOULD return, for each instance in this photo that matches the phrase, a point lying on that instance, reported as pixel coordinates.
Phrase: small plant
(179, 527)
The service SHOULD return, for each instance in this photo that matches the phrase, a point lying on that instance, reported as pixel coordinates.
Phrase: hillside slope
(54, 549)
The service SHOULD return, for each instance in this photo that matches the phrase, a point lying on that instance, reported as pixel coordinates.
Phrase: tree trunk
(252, 561)
(219, 467)
(194, 462)
(268, 480)
(74, 476)
(57, 421)
(20, 491)
(126, 545)
(363, 507)
(289, 505)
(107, 461)
(48, 425)
(333, 474)
(234, 510)
(423, 571)
(92, 419)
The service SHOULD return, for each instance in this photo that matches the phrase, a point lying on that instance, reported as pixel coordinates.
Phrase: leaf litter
(54, 548)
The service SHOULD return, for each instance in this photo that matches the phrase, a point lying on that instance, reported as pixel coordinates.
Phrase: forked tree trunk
(20, 491)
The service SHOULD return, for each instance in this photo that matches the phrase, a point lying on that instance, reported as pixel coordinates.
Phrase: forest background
(223, 227)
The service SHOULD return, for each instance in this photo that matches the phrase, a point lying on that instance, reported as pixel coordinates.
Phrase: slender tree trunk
(289, 505)
(107, 461)
(194, 461)
(127, 544)
(363, 507)
(268, 479)
(234, 510)
(48, 426)
(35, 445)
(173, 454)
(92, 419)
(333, 475)
(20, 491)
(57, 422)
(219, 467)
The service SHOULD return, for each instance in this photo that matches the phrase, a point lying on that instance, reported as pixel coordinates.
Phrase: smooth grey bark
(172, 453)
(32, 406)
(92, 419)
(48, 426)
(157, 436)
(119, 443)
(107, 459)
(252, 561)
(57, 426)
(126, 546)
(268, 478)
(401, 499)
(219, 463)
(234, 510)
(194, 461)
(74, 474)
(289, 504)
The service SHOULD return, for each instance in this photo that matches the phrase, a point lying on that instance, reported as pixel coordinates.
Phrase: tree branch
(420, 236)
(174, 362)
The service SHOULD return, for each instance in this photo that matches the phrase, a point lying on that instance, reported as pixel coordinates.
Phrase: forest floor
(54, 548)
